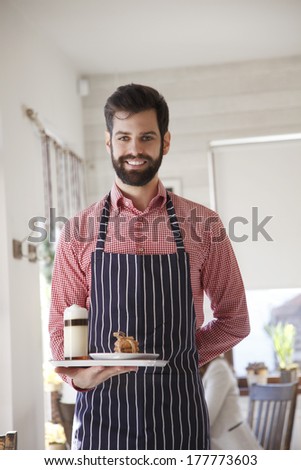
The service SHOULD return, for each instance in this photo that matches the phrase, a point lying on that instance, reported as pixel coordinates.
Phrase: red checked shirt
(213, 265)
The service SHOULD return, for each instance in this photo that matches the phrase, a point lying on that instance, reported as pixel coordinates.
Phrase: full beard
(134, 177)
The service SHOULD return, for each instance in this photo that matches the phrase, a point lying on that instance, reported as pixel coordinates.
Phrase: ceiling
(111, 36)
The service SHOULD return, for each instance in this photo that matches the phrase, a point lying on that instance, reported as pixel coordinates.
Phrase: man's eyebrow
(141, 133)
(149, 133)
(122, 132)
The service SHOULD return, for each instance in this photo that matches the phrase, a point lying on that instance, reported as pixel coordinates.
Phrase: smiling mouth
(135, 163)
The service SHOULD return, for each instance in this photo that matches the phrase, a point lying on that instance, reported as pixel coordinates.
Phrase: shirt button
(141, 250)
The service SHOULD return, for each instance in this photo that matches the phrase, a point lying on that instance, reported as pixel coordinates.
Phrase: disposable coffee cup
(75, 332)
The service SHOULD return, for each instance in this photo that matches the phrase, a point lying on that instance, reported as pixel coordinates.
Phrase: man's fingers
(116, 370)
(94, 375)
(70, 371)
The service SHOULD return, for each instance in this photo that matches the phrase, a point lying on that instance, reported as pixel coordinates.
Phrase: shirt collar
(118, 200)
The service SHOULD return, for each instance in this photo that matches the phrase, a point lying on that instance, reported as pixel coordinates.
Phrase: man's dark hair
(133, 99)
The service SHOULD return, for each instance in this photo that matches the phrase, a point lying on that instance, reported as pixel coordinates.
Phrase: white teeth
(135, 163)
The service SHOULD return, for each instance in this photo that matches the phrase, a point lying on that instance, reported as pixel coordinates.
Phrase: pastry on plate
(125, 344)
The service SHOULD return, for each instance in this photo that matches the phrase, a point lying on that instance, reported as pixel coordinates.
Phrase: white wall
(206, 103)
(35, 74)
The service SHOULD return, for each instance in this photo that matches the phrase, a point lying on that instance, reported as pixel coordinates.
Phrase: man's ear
(166, 142)
(108, 141)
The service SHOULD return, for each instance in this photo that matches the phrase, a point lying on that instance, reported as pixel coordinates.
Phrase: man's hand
(89, 377)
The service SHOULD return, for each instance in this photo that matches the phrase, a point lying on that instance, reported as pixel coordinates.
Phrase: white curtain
(64, 182)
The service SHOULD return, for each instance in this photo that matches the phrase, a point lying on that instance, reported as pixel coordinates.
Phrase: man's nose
(135, 148)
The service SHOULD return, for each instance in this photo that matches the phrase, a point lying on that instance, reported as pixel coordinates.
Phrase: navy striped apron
(148, 297)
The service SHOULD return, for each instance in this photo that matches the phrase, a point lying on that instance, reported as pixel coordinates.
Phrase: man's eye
(146, 138)
(124, 138)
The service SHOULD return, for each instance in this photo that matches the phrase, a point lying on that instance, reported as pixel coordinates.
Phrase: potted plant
(283, 337)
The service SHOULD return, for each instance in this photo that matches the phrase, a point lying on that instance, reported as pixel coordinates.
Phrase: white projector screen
(257, 193)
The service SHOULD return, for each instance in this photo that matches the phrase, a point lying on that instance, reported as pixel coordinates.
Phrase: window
(265, 306)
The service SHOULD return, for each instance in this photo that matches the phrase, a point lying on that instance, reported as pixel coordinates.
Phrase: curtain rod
(33, 116)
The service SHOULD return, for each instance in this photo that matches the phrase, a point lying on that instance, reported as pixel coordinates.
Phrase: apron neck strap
(174, 224)
(103, 226)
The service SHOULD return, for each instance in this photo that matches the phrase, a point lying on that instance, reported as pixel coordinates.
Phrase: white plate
(130, 356)
(110, 362)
